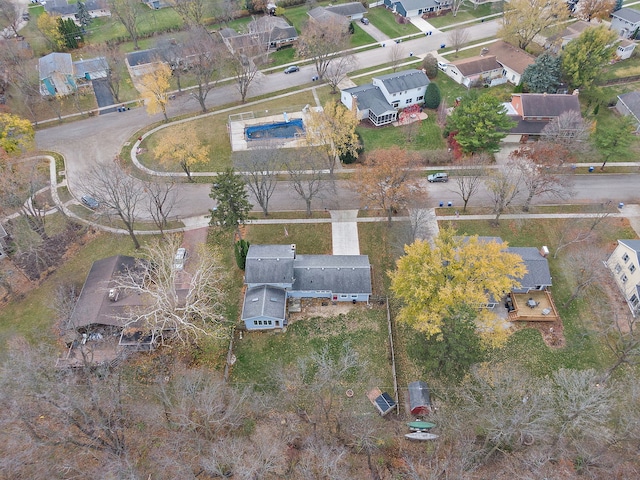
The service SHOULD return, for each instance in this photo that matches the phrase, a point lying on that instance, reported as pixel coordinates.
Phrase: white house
(274, 273)
(380, 100)
(624, 264)
(416, 8)
(625, 48)
(629, 104)
(474, 70)
(625, 22)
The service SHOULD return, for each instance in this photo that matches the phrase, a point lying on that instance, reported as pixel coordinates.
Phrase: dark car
(364, 20)
(292, 69)
(90, 202)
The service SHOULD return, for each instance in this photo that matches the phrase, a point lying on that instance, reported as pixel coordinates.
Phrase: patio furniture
(531, 303)
(546, 311)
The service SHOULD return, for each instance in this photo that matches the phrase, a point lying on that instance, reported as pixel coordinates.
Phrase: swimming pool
(275, 130)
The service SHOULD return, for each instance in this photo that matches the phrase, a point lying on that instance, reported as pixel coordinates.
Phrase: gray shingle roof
(92, 65)
(405, 80)
(548, 105)
(264, 301)
(632, 102)
(477, 65)
(537, 267)
(347, 9)
(417, 4)
(142, 57)
(370, 97)
(336, 273)
(269, 264)
(55, 62)
(632, 244)
(628, 14)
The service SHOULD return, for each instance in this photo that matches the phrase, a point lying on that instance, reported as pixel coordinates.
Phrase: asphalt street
(99, 139)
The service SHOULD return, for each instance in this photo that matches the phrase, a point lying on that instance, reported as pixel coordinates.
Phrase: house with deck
(626, 22)
(380, 101)
(275, 273)
(624, 264)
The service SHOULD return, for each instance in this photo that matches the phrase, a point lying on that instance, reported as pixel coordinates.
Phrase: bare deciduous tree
(579, 230)
(455, 6)
(396, 55)
(260, 168)
(10, 17)
(469, 180)
(457, 38)
(192, 12)
(504, 186)
(162, 198)
(322, 40)
(118, 192)
(245, 65)
(569, 130)
(182, 305)
(338, 69)
(127, 12)
(307, 177)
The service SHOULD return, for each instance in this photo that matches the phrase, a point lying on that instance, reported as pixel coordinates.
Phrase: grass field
(385, 21)
(427, 137)
(467, 12)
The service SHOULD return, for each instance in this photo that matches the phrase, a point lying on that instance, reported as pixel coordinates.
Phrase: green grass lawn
(467, 12)
(309, 238)
(428, 136)
(385, 21)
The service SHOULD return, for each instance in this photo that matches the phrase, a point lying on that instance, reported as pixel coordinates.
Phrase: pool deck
(239, 141)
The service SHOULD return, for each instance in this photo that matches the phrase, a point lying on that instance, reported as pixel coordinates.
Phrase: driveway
(423, 25)
(375, 33)
(104, 97)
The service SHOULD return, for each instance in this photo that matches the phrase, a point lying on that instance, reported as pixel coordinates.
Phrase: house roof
(142, 57)
(55, 63)
(417, 4)
(537, 267)
(511, 57)
(92, 65)
(632, 244)
(270, 264)
(63, 8)
(93, 305)
(545, 104)
(321, 14)
(419, 395)
(405, 80)
(335, 273)
(628, 14)
(370, 97)
(632, 101)
(477, 65)
(264, 301)
(347, 9)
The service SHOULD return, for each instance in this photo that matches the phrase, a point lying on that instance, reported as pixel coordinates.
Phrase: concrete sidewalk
(344, 232)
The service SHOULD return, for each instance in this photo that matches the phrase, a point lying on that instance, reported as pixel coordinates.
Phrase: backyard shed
(419, 398)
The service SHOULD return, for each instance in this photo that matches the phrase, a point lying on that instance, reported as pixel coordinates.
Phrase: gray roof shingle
(347, 9)
(405, 80)
(477, 65)
(628, 14)
(55, 62)
(632, 102)
(370, 97)
(264, 301)
(269, 264)
(335, 273)
(537, 267)
(548, 105)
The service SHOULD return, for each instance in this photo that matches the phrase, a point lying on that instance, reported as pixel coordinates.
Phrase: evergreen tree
(543, 76)
(83, 14)
(432, 96)
(70, 32)
(241, 249)
(233, 206)
(618, 5)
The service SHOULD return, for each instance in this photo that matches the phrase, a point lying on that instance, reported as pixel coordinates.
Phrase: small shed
(419, 398)
(382, 401)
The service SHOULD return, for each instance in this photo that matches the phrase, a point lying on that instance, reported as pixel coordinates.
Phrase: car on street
(364, 21)
(180, 258)
(438, 177)
(292, 69)
(90, 202)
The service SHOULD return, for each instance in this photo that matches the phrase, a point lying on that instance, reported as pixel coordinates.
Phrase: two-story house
(380, 100)
(626, 22)
(534, 111)
(624, 264)
(417, 8)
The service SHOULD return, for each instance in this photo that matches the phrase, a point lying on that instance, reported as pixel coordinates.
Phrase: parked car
(181, 257)
(90, 202)
(442, 66)
(364, 20)
(438, 177)
(292, 69)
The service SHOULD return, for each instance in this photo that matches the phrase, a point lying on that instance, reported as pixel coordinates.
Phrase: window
(395, 104)
(618, 268)
(420, 98)
(632, 268)
(624, 278)
(634, 300)
(625, 257)
(408, 101)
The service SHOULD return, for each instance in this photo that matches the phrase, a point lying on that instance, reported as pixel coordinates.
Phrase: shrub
(432, 96)
(430, 66)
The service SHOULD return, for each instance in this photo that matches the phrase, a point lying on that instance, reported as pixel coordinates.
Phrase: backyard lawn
(467, 12)
(385, 21)
(427, 137)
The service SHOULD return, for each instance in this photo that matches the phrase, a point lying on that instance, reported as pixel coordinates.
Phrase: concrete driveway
(375, 33)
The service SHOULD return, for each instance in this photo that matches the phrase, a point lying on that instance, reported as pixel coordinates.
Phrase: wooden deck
(543, 311)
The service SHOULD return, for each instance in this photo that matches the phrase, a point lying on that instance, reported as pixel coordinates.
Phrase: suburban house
(417, 8)
(625, 22)
(556, 43)
(538, 276)
(268, 32)
(500, 62)
(64, 9)
(99, 319)
(56, 74)
(624, 264)
(323, 15)
(351, 10)
(629, 104)
(141, 63)
(380, 100)
(274, 273)
(91, 69)
(533, 111)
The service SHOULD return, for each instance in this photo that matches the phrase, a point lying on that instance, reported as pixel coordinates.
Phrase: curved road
(99, 139)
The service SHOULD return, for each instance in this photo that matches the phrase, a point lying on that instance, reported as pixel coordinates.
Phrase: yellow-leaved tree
(154, 87)
(333, 130)
(181, 145)
(16, 134)
(435, 281)
(524, 19)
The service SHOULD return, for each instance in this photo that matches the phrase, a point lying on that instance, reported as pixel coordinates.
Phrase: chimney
(354, 103)
(544, 251)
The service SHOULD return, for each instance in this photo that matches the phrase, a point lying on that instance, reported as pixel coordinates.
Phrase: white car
(442, 66)
(180, 258)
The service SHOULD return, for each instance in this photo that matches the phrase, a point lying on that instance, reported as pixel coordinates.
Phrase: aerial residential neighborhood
(319, 240)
